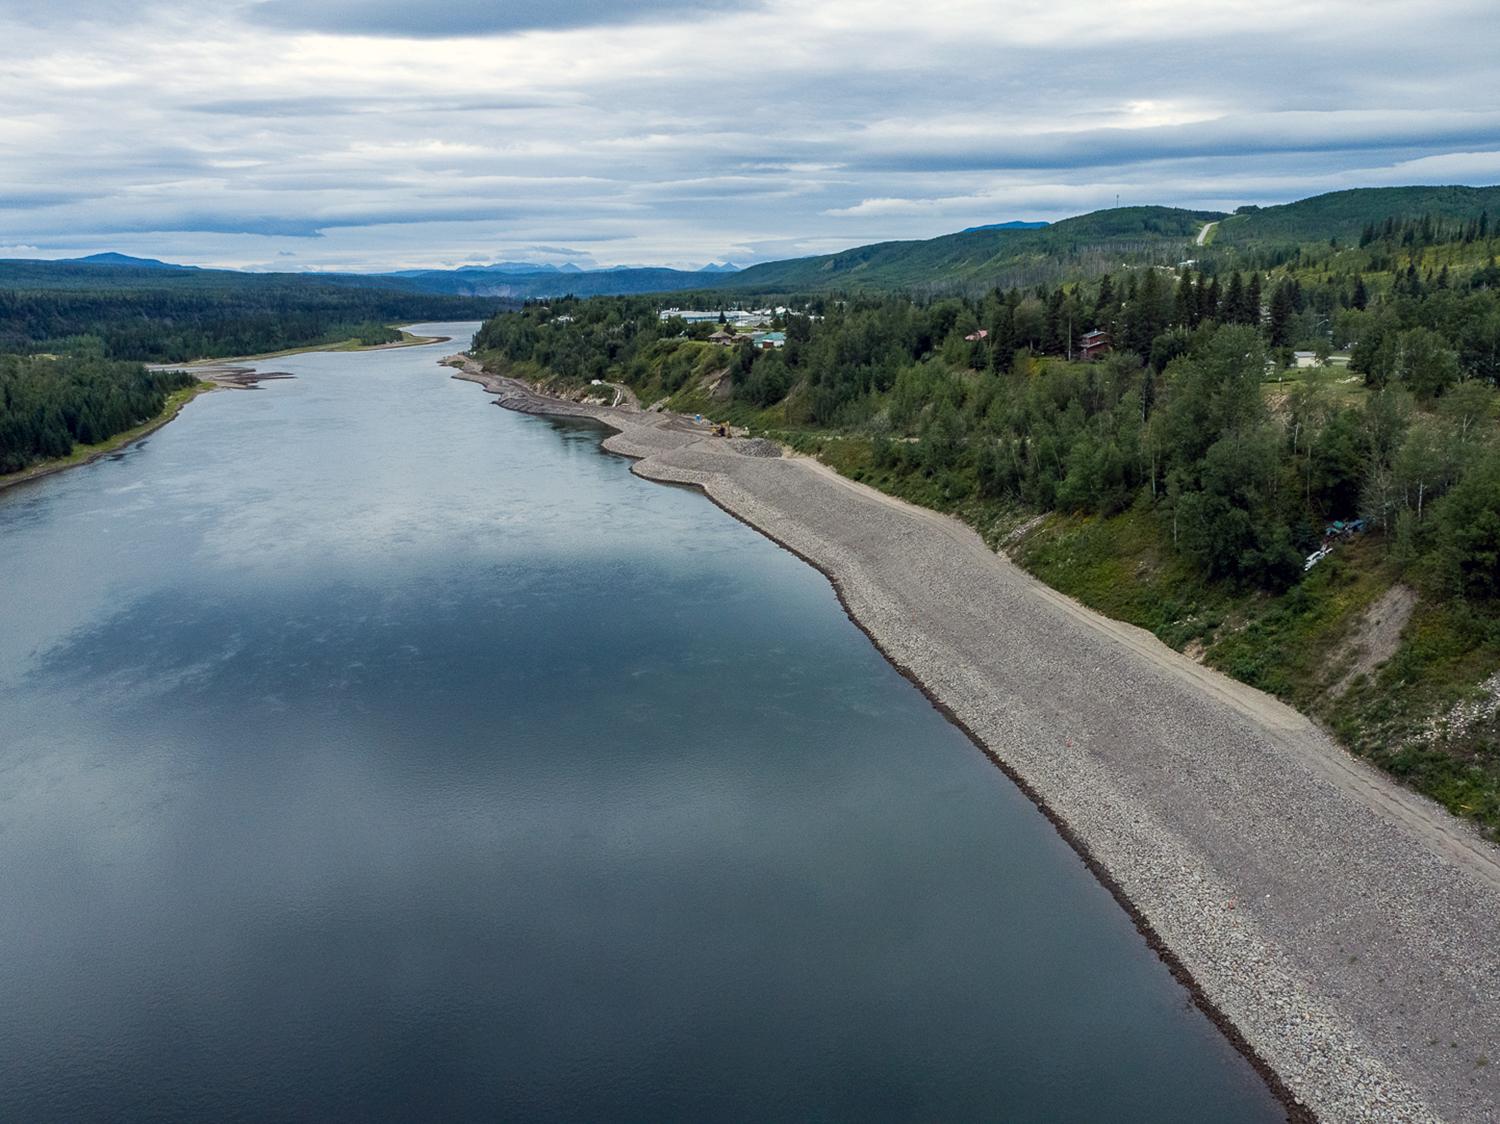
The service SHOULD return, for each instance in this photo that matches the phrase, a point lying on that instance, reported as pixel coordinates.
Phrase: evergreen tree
(1147, 316)
(1184, 301)
(1002, 339)
(1208, 302)
(1105, 306)
(1279, 330)
(1232, 311)
(1054, 341)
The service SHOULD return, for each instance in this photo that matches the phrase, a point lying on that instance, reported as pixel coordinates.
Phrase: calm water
(370, 752)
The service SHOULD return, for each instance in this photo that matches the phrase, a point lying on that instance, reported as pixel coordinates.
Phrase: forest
(1175, 417)
(1197, 456)
(48, 404)
(73, 338)
(165, 316)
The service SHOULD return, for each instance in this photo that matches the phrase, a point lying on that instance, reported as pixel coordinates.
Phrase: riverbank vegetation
(73, 338)
(1324, 526)
(50, 405)
(169, 316)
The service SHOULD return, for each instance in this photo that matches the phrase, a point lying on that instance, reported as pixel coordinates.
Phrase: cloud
(471, 17)
(689, 132)
(29, 199)
(342, 106)
(915, 147)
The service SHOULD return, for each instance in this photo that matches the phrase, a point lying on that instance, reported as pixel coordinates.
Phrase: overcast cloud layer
(365, 134)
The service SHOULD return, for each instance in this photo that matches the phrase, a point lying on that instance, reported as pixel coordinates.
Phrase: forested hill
(981, 259)
(1344, 216)
(532, 284)
(1090, 245)
(142, 313)
(1269, 464)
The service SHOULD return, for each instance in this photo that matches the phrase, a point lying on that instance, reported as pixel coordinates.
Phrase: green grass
(1123, 567)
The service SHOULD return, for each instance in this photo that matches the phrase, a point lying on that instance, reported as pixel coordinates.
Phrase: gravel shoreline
(1342, 930)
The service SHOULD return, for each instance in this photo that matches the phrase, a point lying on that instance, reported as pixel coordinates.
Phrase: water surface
(368, 752)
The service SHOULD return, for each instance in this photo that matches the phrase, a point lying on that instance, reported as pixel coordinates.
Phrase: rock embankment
(1341, 929)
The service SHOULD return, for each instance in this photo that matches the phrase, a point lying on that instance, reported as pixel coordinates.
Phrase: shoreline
(341, 345)
(122, 440)
(212, 374)
(1336, 928)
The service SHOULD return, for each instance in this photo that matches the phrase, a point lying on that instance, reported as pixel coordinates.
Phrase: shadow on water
(386, 756)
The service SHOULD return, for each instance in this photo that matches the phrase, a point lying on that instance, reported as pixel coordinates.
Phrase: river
(368, 752)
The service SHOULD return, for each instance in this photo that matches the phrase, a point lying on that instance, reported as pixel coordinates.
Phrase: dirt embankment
(1378, 635)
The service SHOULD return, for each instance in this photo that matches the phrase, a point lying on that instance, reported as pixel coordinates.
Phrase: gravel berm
(1343, 931)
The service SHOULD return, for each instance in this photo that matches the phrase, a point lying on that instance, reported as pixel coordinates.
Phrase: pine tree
(1282, 309)
(1208, 302)
(1233, 309)
(1361, 297)
(1054, 341)
(1184, 302)
(1105, 306)
(1146, 316)
(1252, 300)
(1003, 338)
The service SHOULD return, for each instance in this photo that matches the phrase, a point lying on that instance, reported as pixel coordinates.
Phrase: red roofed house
(1093, 344)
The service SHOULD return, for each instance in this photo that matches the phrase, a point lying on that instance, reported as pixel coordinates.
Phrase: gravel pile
(755, 447)
(1342, 930)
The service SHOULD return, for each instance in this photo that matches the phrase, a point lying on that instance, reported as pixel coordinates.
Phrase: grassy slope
(1296, 646)
(979, 257)
(1344, 214)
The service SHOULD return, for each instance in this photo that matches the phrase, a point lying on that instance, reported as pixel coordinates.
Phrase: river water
(369, 752)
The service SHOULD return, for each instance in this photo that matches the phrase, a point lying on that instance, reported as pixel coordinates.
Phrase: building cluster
(763, 341)
(737, 325)
(732, 317)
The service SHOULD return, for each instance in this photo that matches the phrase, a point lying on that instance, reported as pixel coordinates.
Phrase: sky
(386, 134)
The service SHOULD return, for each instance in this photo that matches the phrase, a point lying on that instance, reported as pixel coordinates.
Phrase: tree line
(966, 399)
(154, 323)
(50, 404)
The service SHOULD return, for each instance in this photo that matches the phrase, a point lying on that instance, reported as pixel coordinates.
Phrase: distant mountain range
(1014, 224)
(1015, 253)
(125, 260)
(510, 280)
(497, 267)
(556, 281)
